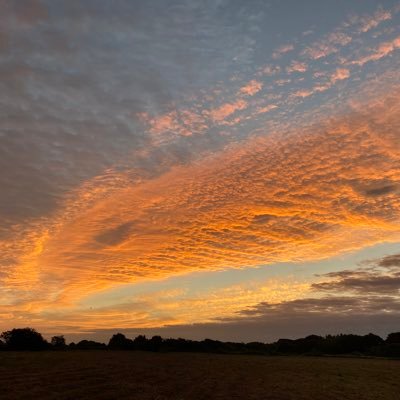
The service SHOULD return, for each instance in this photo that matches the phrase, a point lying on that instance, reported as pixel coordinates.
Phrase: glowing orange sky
(295, 159)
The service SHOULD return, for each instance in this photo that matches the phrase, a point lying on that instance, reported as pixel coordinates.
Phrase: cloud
(116, 235)
(187, 122)
(363, 281)
(270, 70)
(350, 301)
(266, 329)
(210, 215)
(390, 261)
(340, 74)
(331, 305)
(154, 308)
(361, 300)
(379, 191)
(266, 109)
(303, 93)
(282, 50)
(124, 157)
(220, 113)
(326, 46)
(251, 88)
(297, 66)
(383, 50)
(339, 38)
(366, 23)
(329, 44)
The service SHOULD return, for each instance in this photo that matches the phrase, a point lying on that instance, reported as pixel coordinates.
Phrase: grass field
(141, 375)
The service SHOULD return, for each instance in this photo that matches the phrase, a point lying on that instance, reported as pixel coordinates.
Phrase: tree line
(368, 345)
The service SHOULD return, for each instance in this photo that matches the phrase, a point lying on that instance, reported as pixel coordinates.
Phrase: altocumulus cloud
(124, 157)
(298, 196)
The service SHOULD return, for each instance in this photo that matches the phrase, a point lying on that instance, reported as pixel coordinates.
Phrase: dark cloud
(374, 305)
(115, 236)
(333, 304)
(390, 261)
(362, 282)
(262, 218)
(380, 191)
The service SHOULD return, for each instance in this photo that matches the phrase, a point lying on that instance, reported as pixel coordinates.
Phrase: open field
(143, 375)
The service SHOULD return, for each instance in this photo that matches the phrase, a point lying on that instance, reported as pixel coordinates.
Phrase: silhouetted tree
(309, 344)
(120, 342)
(393, 337)
(213, 346)
(285, 346)
(252, 347)
(30, 339)
(89, 345)
(155, 343)
(58, 342)
(371, 340)
(24, 339)
(140, 342)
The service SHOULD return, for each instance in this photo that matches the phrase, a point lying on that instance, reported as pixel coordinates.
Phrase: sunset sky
(226, 168)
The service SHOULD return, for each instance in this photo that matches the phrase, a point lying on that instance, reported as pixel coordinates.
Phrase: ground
(114, 375)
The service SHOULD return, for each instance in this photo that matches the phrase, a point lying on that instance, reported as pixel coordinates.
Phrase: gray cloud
(381, 190)
(74, 75)
(362, 281)
(390, 261)
(116, 235)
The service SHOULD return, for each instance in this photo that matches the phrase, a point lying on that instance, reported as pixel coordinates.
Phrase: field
(143, 375)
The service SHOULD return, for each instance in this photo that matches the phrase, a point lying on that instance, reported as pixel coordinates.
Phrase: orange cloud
(186, 122)
(159, 308)
(328, 45)
(297, 66)
(383, 50)
(319, 51)
(340, 74)
(270, 70)
(339, 38)
(305, 195)
(303, 93)
(282, 50)
(251, 88)
(368, 23)
(225, 110)
(268, 108)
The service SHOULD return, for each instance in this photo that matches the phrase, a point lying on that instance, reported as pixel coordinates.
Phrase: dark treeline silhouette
(367, 345)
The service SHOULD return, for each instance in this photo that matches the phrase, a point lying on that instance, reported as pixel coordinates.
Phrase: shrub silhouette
(373, 345)
(120, 342)
(24, 339)
(89, 345)
(58, 342)
(140, 342)
(155, 343)
(393, 337)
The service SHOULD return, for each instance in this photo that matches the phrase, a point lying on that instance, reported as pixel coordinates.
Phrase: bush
(24, 339)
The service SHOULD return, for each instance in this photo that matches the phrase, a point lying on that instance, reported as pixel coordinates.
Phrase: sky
(225, 169)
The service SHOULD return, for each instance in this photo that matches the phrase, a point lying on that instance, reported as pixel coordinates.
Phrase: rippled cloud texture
(141, 144)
